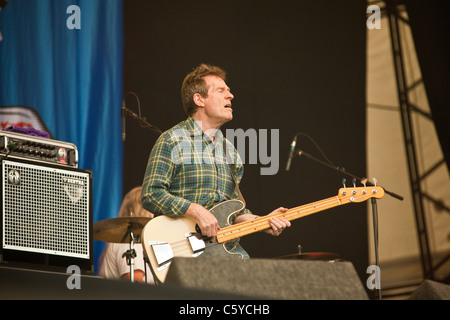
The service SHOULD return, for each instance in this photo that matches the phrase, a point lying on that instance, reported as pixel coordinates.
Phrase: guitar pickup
(163, 253)
(197, 245)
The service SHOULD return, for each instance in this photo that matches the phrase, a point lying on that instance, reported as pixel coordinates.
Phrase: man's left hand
(277, 224)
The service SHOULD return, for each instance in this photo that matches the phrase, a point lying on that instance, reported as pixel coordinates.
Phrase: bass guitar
(164, 238)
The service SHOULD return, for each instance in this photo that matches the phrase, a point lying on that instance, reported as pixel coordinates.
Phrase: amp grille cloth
(45, 210)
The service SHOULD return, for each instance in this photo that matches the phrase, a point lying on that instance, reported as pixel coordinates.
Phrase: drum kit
(122, 230)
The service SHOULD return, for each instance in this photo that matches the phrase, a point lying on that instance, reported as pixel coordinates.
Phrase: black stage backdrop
(293, 66)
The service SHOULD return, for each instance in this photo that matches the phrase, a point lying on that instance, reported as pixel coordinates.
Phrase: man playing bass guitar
(193, 167)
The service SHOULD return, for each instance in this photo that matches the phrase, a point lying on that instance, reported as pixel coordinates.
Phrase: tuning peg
(354, 182)
(343, 183)
(364, 181)
(374, 191)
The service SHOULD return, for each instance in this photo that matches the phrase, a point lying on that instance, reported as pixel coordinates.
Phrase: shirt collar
(195, 130)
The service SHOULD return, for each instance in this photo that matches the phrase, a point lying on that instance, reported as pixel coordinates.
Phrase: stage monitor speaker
(431, 290)
(45, 215)
(269, 279)
(26, 284)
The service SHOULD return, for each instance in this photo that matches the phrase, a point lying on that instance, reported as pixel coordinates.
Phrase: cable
(317, 146)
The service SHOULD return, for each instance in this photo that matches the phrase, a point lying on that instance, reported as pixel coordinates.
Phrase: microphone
(123, 114)
(291, 153)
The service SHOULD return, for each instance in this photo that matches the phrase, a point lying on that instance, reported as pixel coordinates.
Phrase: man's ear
(198, 100)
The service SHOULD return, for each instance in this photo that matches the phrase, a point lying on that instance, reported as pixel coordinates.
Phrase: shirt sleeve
(161, 167)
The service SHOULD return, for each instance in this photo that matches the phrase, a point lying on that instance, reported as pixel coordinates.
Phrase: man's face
(217, 105)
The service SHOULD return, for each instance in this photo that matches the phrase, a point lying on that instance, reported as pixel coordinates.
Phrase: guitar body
(164, 238)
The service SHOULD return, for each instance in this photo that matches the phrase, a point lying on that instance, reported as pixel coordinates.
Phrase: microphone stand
(140, 119)
(342, 170)
(374, 206)
(375, 238)
(130, 254)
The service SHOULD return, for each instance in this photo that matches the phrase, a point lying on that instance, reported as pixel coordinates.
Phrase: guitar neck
(261, 223)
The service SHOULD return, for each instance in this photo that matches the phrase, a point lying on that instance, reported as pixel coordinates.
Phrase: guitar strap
(229, 161)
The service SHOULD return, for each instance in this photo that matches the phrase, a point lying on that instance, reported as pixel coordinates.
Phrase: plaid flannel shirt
(186, 167)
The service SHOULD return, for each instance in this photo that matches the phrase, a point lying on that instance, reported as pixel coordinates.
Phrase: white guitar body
(164, 238)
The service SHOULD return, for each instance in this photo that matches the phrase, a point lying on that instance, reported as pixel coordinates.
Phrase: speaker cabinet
(269, 279)
(45, 215)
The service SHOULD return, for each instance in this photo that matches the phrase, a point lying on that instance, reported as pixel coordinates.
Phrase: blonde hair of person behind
(131, 205)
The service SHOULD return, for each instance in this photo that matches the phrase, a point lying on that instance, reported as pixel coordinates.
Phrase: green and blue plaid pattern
(186, 167)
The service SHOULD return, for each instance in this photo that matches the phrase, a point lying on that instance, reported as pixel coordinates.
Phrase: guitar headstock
(360, 194)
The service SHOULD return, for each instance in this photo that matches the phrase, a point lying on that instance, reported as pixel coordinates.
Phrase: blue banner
(63, 58)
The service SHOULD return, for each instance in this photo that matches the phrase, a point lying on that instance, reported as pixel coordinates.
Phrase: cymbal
(117, 230)
(324, 256)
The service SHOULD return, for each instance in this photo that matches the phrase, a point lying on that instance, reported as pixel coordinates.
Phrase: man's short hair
(194, 83)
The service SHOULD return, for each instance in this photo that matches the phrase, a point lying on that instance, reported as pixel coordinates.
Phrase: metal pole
(408, 136)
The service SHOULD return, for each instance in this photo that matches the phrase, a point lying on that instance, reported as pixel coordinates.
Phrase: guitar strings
(183, 244)
(258, 224)
(183, 247)
(262, 223)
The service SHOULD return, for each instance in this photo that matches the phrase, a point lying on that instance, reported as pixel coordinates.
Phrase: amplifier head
(22, 146)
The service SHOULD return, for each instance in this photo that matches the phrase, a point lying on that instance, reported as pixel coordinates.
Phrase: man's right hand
(206, 221)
